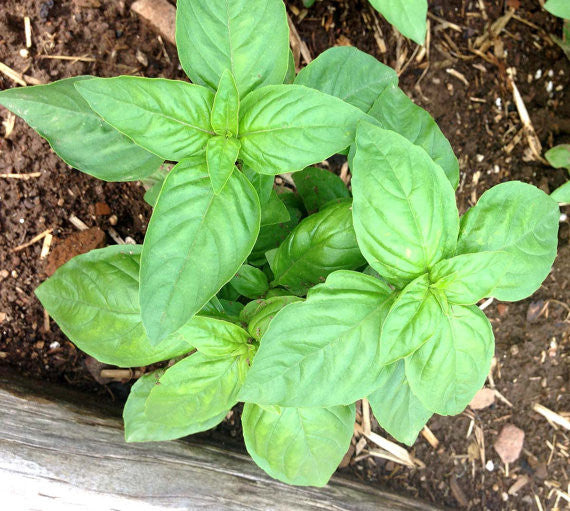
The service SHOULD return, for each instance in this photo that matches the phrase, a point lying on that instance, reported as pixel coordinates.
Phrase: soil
(467, 93)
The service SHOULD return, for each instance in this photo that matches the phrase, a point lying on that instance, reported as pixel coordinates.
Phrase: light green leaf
(332, 338)
(196, 241)
(397, 112)
(250, 282)
(562, 194)
(291, 72)
(285, 128)
(404, 210)
(153, 184)
(446, 372)
(301, 446)
(560, 8)
(225, 111)
(521, 220)
(320, 244)
(348, 74)
(318, 187)
(262, 183)
(259, 313)
(274, 210)
(408, 16)
(396, 408)
(94, 300)
(248, 37)
(559, 156)
(139, 427)
(168, 118)
(61, 116)
(413, 319)
(221, 156)
(467, 278)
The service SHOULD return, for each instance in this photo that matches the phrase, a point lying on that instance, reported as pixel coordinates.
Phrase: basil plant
(296, 302)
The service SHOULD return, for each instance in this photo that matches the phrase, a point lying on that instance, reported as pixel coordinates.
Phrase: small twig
(486, 303)
(430, 437)
(35, 239)
(13, 75)
(296, 41)
(46, 246)
(28, 31)
(21, 176)
(120, 374)
(67, 57)
(78, 223)
(551, 416)
(366, 427)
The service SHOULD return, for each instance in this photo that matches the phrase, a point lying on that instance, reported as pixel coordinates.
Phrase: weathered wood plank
(59, 453)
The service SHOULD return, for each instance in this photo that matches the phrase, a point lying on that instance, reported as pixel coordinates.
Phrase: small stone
(4, 274)
(509, 443)
(490, 466)
(113, 219)
(3, 317)
(102, 209)
(483, 399)
(502, 309)
(54, 345)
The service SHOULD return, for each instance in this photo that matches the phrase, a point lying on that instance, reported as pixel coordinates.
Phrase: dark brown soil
(476, 112)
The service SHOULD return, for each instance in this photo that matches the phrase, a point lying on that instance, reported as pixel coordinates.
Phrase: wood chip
(13, 75)
(518, 485)
(552, 417)
(509, 443)
(430, 437)
(78, 223)
(298, 43)
(458, 492)
(160, 14)
(483, 399)
(21, 176)
(366, 427)
(457, 75)
(46, 245)
(35, 239)
(28, 31)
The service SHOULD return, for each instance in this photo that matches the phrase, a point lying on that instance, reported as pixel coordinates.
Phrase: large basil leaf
(196, 389)
(404, 210)
(94, 300)
(318, 187)
(301, 446)
(348, 74)
(60, 115)
(142, 427)
(397, 112)
(332, 338)
(559, 8)
(467, 278)
(413, 319)
(408, 16)
(196, 241)
(522, 221)
(169, 118)
(446, 372)
(320, 244)
(225, 111)
(221, 156)
(250, 282)
(396, 408)
(285, 128)
(248, 37)
(259, 313)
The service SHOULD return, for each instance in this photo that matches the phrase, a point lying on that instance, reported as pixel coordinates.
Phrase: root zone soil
(461, 80)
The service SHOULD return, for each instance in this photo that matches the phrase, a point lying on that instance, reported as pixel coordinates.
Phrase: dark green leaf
(274, 211)
(262, 183)
(250, 282)
(318, 187)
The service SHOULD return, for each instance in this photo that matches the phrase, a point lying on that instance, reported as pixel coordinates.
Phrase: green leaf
(560, 8)
(562, 194)
(94, 300)
(324, 351)
(61, 116)
(467, 278)
(153, 184)
(196, 389)
(168, 118)
(413, 319)
(140, 427)
(259, 313)
(291, 71)
(521, 220)
(397, 112)
(196, 241)
(221, 156)
(248, 37)
(396, 408)
(250, 282)
(404, 210)
(225, 111)
(274, 210)
(301, 446)
(284, 128)
(348, 74)
(320, 244)
(559, 156)
(446, 372)
(232, 309)
(262, 183)
(318, 187)
(408, 16)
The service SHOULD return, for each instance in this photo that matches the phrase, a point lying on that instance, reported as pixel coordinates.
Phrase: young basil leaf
(558, 157)
(94, 300)
(348, 74)
(196, 389)
(562, 194)
(225, 111)
(446, 372)
(168, 118)
(301, 446)
(284, 128)
(522, 221)
(154, 182)
(61, 116)
(140, 427)
(248, 37)
(397, 112)
(559, 8)
(331, 338)
(259, 313)
(232, 309)
(291, 72)
(250, 282)
(195, 243)
(320, 244)
(396, 408)
(467, 278)
(404, 210)
(262, 183)
(318, 187)
(413, 320)
(274, 211)
(408, 16)
(221, 156)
